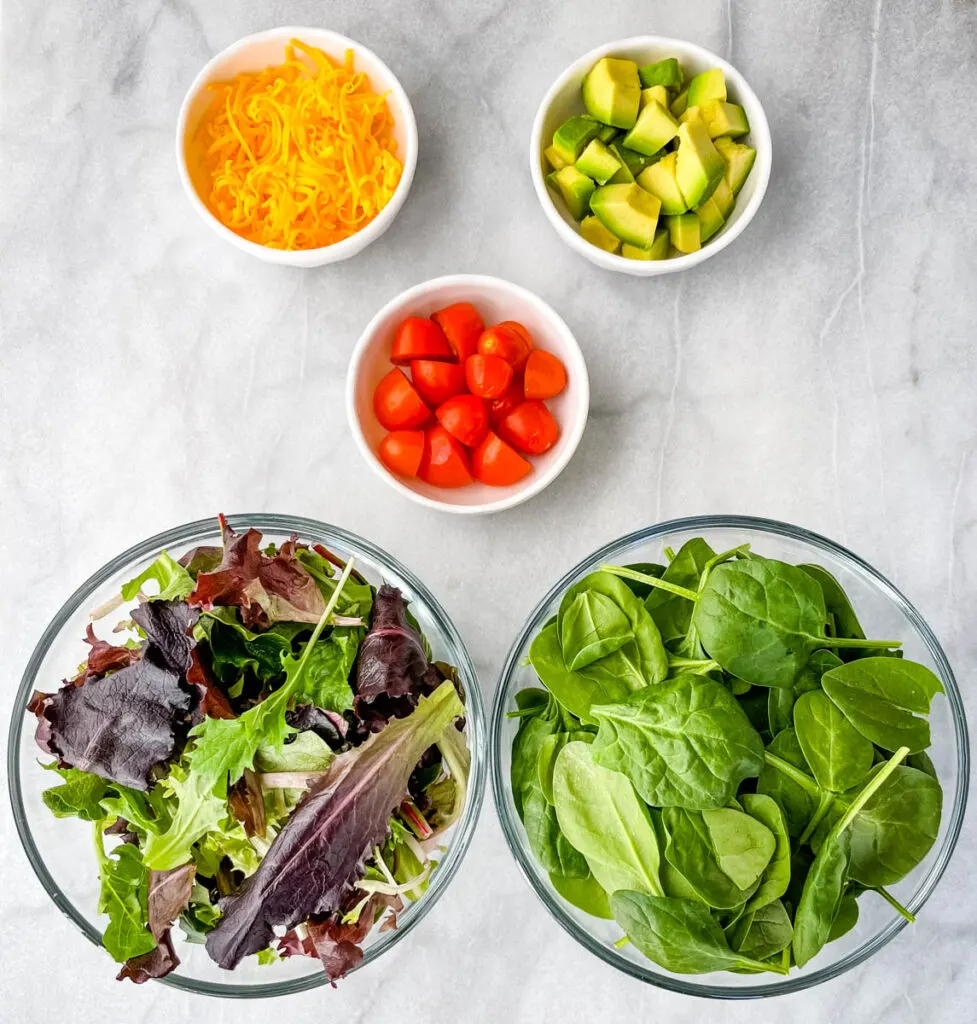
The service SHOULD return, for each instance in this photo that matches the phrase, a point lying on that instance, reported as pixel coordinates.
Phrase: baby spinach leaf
(684, 743)
(895, 829)
(761, 619)
(836, 602)
(776, 875)
(721, 854)
(797, 800)
(762, 932)
(780, 701)
(585, 894)
(602, 816)
(548, 752)
(839, 756)
(672, 613)
(846, 918)
(679, 935)
(879, 695)
(593, 626)
(607, 681)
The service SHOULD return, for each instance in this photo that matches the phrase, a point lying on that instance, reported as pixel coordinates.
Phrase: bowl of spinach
(730, 757)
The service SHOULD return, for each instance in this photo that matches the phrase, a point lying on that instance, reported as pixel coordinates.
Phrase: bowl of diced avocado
(650, 155)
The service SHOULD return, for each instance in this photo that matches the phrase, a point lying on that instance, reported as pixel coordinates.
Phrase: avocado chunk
(658, 250)
(710, 85)
(693, 114)
(683, 232)
(710, 219)
(739, 161)
(724, 198)
(607, 133)
(654, 92)
(698, 167)
(654, 128)
(554, 158)
(724, 118)
(576, 189)
(628, 211)
(666, 72)
(635, 162)
(572, 136)
(611, 92)
(659, 180)
(598, 162)
(623, 175)
(595, 233)
(680, 103)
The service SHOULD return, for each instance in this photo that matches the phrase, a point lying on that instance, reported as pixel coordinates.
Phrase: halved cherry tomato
(498, 464)
(464, 417)
(462, 326)
(397, 405)
(529, 428)
(401, 451)
(487, 376)
(546, 376)
(419, 338)
(437, 382)
(444, 462)
(508, 340)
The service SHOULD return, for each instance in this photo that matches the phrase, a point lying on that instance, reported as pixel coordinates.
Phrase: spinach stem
(669, 553)
(840, 641)
(825, 805)
(700, 665)
(802, 779)
(743, 549)
(652, 581)
(895, 904)
(621, 942)
(868, 792)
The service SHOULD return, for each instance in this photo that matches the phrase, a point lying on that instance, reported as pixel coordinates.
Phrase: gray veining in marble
(822, 370)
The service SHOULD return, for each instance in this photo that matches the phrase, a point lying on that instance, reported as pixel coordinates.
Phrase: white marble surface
(823, 370)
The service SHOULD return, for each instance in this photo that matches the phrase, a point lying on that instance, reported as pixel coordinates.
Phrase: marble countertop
(822, 370)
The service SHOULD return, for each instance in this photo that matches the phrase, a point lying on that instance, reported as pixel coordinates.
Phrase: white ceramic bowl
(563, 100)
(496, 300)
(252, 53)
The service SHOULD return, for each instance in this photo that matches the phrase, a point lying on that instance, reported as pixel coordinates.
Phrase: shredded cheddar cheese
(297, 156)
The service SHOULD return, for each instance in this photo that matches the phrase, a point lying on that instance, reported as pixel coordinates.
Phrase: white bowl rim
(540, 480)
(759, 128)
(338, 250)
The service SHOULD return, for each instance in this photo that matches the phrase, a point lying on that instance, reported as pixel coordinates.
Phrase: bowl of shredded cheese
(297, 145)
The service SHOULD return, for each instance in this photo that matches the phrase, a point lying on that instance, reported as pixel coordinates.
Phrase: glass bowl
(60, 850)
(884, 611)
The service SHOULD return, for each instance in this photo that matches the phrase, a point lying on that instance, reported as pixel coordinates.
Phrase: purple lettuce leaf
(320, 852)
(167, 626)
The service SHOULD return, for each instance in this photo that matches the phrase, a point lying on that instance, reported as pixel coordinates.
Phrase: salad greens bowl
(277, 735)
(729, 757)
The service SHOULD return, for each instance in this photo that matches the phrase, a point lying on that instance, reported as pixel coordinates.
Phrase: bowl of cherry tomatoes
(467, 394)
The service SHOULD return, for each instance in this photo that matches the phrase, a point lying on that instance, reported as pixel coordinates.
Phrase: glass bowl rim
(510, 824)
(280, 523)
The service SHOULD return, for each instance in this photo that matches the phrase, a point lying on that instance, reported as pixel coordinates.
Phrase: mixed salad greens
(269, 759)
(721, 761)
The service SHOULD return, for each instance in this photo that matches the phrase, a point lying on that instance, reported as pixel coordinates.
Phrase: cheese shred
(298, 156)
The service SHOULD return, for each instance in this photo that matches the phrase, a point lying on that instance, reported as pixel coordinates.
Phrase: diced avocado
(629, 211)
(683, 232)
(724, 118)
(570, 139)
(655, 127)
(739, 161)
(654, 92)
(666, 72)
(612, 92)
(576, 189)
(598, 162)
(710, 85)
(554, 158)
(710, 219)
(724, 198)
(699, 167)
(693, 114)
(607, 133)
(680, 103)
(635, 162)
(659, 180)
(622, 176)
(658, 250)
(595, 233)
